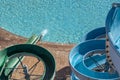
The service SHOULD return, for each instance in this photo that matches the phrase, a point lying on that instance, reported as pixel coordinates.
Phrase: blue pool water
(67, 21)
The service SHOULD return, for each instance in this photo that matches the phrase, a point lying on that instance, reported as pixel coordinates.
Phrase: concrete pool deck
(59, 51)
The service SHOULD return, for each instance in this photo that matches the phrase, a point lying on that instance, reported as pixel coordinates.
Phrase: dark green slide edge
(44, 54)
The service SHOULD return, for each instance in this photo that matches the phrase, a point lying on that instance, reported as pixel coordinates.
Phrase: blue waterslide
(82, 67)
(113, 33)
(97, 33)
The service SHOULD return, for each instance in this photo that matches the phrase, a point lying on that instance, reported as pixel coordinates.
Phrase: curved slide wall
(78, 62)
(97, 33)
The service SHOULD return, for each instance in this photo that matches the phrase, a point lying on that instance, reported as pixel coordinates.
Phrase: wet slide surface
(81, 67)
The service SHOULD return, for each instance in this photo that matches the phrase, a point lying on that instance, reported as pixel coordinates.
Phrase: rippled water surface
(67, 21)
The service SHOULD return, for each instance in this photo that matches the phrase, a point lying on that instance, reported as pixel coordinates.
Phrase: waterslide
(113, 33)
(98, 33)
(85, 68)
(12, 57)
(82, 67)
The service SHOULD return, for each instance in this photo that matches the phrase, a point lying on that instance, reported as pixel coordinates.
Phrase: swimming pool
(67, 21)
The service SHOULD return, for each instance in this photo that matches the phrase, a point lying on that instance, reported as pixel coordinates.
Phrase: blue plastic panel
(113, 25)
(79, 69)
(97, 33)
(113, 32)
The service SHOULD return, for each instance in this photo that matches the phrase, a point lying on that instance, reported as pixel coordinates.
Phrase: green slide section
(15, 61)
(28, 47)
(42, 53)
